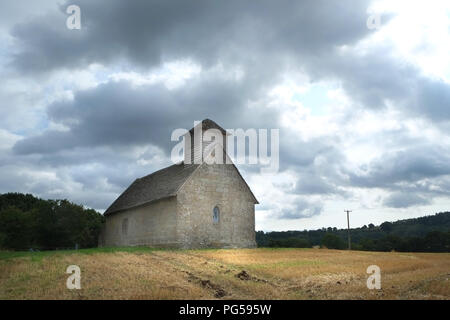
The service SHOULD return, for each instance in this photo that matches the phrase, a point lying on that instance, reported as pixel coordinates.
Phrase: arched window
(216, 214)
(125, 226)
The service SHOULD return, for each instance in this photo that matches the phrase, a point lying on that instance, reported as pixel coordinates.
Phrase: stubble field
(144, 273)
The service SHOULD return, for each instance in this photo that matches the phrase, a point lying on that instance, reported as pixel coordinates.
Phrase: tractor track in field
(223, 280)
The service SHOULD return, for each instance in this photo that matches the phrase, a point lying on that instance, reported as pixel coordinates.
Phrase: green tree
(14, 228)
(332, 241)
(437, 241)
(26, 221)
(386, 226)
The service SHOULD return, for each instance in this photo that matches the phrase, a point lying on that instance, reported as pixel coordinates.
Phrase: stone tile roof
(161, 184)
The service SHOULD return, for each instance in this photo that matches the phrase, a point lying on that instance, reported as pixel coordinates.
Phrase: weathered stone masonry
(210, 186)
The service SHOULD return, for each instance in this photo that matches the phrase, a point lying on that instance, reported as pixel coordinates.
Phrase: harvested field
(145, 273)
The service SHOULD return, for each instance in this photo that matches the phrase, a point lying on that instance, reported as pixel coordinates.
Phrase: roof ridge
(162, 169)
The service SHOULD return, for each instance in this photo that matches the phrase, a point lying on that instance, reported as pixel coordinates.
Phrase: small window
(216, 215)
(125, 226)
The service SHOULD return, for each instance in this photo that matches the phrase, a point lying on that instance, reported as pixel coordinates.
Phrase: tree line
(424, 234)
(27, 222)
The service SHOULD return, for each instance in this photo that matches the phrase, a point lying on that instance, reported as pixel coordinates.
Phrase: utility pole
(348, 230)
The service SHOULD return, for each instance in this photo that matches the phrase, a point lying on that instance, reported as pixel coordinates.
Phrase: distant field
(144, 273)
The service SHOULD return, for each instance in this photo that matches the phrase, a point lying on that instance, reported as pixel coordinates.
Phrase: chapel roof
(160, 184)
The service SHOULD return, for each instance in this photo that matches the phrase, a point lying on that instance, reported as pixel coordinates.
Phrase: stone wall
(210, 186)
(153, 224)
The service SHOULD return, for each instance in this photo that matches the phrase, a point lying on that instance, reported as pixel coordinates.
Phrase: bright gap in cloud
(419, 33)
(173, 74)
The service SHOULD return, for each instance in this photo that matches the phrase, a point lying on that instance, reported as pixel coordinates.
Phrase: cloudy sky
(363, 113)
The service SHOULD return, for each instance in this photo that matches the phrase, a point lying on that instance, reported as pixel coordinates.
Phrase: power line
(348, 229)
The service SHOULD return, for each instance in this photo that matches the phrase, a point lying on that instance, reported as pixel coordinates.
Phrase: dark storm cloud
(419, 170)
(118, 114)
(375, 79)
(317, 163)
(313, 183)
(404, 200)
(415, 163)
(301, 208)
(148, 32)
(93, 176)
(266, 39)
